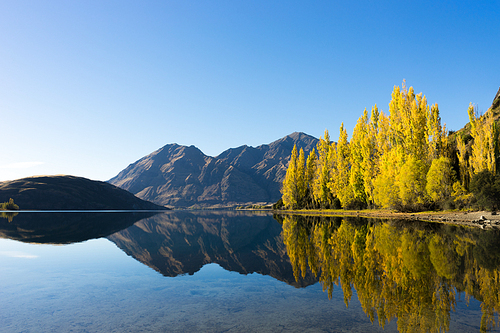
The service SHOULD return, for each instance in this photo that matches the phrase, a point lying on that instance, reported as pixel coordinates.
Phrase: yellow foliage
(400, 160)
(440, 179)
(412, 182)
(484, 149)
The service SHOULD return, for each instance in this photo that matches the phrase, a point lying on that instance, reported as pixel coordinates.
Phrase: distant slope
(181, 176)
(69, 192)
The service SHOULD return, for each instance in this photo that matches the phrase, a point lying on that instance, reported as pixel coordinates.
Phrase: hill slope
(69, 192)
(183, 176)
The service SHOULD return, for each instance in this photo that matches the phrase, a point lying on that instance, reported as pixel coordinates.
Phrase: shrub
(279, 204)
(9, 205)
(486, 189)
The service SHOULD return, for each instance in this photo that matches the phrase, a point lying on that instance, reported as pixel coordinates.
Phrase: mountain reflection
(411, 272)
(182, 242)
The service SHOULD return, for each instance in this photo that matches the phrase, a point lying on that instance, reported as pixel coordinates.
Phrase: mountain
(182, 242)
(69, 192)
(181, 176)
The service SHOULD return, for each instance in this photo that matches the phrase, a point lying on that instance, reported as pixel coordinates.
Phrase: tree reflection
(410, 272)
(8, 215)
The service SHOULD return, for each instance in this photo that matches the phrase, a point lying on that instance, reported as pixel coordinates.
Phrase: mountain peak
(298, 135)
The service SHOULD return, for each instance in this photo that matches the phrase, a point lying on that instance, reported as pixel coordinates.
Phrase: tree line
(404, 160)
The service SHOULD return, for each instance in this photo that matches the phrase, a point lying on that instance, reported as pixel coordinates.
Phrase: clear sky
(88, 87)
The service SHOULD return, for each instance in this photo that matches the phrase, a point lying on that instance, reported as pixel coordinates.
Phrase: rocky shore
(479, 219)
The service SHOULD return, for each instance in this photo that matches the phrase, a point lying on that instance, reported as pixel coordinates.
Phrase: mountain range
(181, 176)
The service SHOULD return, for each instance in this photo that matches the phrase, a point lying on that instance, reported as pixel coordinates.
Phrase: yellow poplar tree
(340, 178)
(291, 188)
(388, 160)
(321, 192)
(358, 146)
(301, 178)
(463, 164)
(436, 134)
(440, 179)
(370, 154)
(484, 148)
(408, 114)
(384, 186)
(412, 181)
(310, 173)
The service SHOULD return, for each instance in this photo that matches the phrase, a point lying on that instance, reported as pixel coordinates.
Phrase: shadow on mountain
(66, 228)
(182, 242)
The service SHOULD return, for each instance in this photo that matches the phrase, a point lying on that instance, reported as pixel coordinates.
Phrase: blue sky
(88, 87)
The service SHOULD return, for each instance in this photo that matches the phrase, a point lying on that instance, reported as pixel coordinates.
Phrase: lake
(231, 271)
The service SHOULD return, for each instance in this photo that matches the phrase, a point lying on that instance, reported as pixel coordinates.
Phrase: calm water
(241, 272)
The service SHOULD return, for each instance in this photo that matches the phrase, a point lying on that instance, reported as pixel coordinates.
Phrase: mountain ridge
(183, 176)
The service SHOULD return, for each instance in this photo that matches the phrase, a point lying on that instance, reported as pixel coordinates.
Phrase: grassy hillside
(69, 192)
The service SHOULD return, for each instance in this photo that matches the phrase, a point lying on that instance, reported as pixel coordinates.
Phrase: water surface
(240, 272)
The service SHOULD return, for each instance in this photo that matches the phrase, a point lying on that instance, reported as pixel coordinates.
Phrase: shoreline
(477, 219)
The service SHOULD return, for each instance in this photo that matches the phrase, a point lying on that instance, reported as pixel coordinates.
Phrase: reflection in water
(413, 272)
(66, 228)
(182, 242)
(8, 215)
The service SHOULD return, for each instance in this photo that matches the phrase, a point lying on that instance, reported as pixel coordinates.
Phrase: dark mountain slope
(69, 192)
(183, 176)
